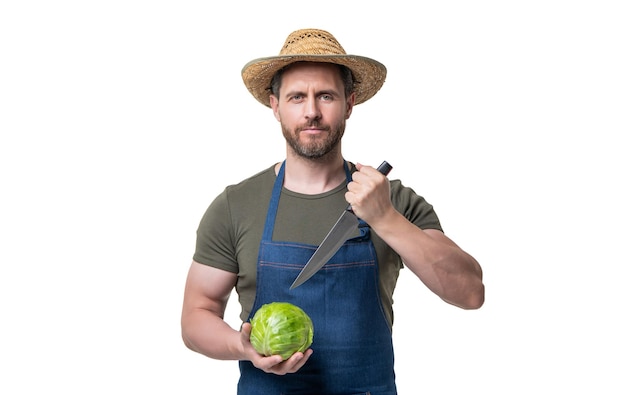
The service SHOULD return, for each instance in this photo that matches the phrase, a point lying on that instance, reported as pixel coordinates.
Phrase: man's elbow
(187, 342)
(471, 300)
(475, 299)
(185, 334)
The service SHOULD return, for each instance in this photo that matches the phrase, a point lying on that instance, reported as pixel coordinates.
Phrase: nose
(312, 110)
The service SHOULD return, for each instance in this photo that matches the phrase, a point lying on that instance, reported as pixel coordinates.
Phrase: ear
(274, 105)
(350, 104)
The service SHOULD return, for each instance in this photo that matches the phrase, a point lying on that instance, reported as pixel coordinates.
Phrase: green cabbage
(281, 328)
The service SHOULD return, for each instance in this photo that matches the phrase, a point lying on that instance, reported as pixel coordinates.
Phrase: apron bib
(352, 344)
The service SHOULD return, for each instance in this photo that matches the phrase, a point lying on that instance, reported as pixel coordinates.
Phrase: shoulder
(400, 192)
(266, 176)
(413, 206)
(252, 187)
(247, 193)
(243, 199)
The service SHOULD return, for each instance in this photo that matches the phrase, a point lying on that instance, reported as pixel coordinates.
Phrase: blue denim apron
(352, 344)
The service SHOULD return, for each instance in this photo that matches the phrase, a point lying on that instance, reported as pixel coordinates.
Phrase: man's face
(312, 108)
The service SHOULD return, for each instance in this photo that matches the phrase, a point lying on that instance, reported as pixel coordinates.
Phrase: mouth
(314, 130)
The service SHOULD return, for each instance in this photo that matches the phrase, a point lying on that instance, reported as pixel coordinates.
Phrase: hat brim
(369, 74)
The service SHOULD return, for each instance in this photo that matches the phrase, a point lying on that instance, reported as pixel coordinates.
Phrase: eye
(326, 97)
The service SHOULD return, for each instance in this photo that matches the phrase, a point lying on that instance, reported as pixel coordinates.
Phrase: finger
(246, 328)
(366, 175)
(274, 364)
(302, 361)
(290, 365)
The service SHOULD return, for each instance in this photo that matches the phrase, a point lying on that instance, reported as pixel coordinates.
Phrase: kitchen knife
(338, 234)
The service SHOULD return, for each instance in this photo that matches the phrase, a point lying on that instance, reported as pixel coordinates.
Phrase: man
(257, 235)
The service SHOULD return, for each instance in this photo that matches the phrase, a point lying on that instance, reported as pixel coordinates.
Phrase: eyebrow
(331, 92)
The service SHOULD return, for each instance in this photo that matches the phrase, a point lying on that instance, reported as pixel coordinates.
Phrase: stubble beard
(317, 146)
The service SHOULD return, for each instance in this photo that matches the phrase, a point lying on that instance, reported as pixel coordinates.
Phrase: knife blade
(338, 234)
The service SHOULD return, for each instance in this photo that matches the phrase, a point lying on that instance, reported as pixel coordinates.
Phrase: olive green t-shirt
(230, 231)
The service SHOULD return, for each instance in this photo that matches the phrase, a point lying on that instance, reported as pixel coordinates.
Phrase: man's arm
(204, 330)
(447, 270)
(203, 327)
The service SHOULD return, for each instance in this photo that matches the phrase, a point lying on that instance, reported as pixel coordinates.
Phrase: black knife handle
(384, 168)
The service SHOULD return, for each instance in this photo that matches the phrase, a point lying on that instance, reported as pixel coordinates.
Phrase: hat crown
(311, 42)
(313, 45)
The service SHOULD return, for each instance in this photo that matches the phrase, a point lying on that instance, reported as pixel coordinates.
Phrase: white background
(121, 120)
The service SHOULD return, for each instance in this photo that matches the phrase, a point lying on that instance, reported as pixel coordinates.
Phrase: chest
(307, 219)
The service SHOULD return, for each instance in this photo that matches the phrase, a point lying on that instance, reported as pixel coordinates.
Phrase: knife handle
(384, 168)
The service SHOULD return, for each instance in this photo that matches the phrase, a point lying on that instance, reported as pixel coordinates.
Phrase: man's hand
(368, 193)
(272, 364)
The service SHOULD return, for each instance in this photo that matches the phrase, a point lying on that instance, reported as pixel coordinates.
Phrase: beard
(317, 146)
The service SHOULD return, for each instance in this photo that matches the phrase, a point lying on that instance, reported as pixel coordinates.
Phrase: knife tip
(296, 283)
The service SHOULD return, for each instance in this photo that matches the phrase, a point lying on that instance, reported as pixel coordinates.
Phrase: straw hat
(313, 45)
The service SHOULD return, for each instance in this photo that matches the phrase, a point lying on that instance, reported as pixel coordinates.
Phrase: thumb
(246, 328)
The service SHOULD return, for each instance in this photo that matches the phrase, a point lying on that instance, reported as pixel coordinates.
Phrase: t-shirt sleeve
(414, 207)
(214, 238)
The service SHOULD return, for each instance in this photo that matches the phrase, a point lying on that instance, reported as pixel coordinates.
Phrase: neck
(313, 177)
